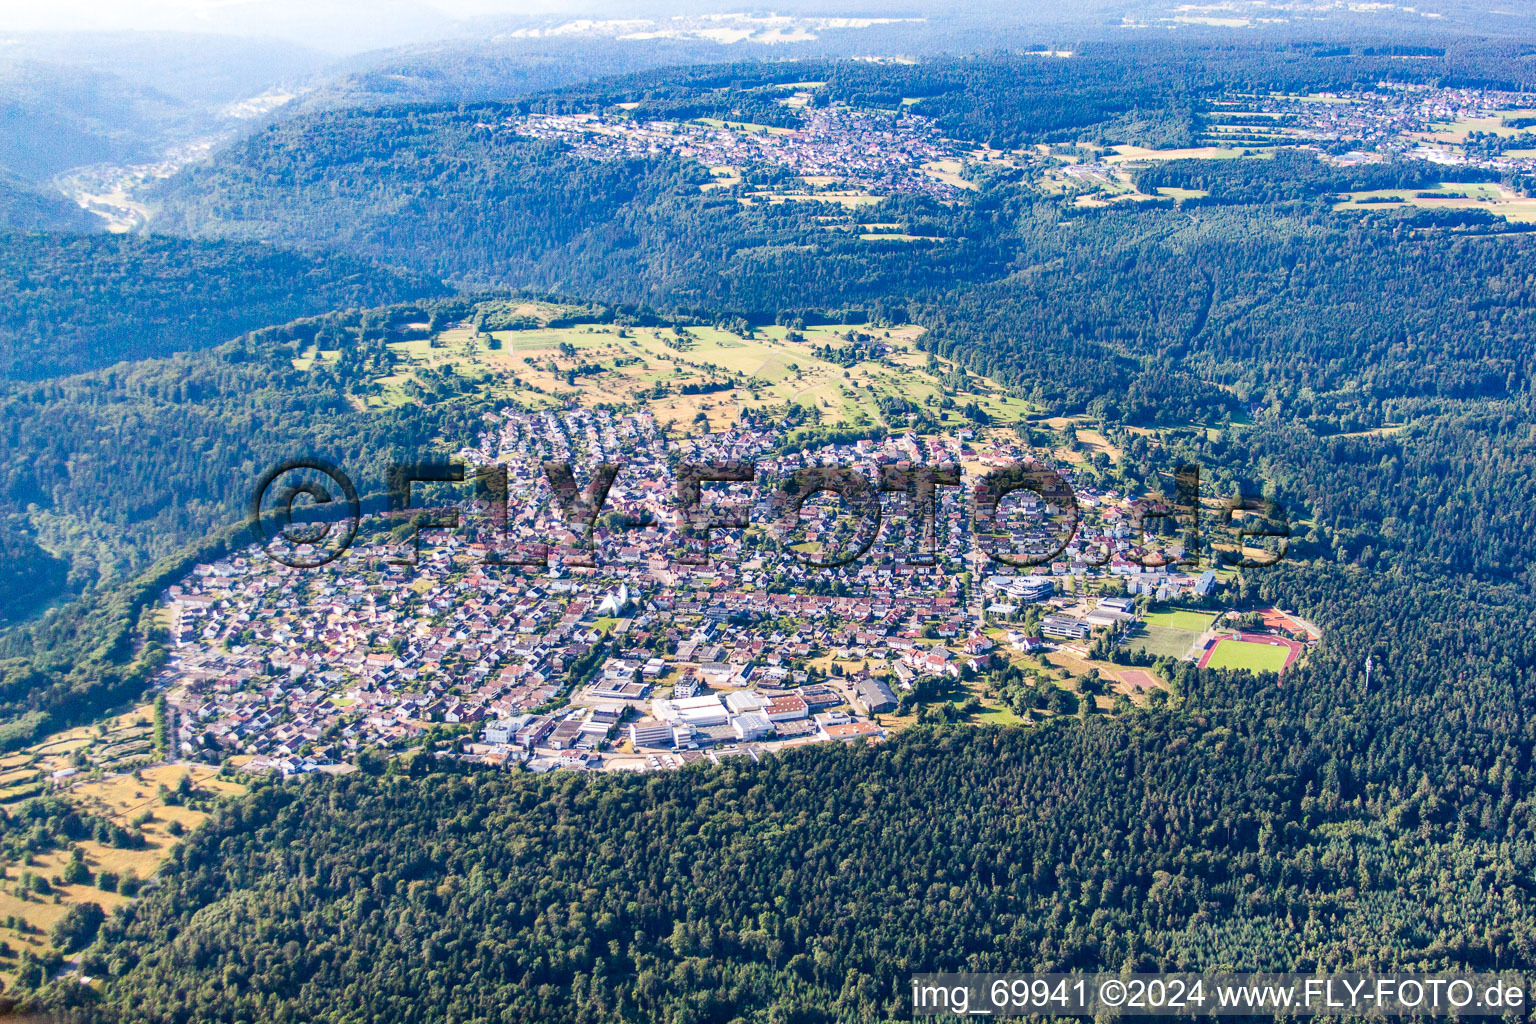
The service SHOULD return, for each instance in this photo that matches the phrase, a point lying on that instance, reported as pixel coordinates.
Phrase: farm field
(1456, 132)
(690, 378)
(1173, 192)
(1126, 154)
(1451, 195)
(746, 127)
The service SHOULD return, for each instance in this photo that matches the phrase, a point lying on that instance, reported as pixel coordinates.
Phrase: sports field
(1250, 655)
(1195, 622)
(1162, 641)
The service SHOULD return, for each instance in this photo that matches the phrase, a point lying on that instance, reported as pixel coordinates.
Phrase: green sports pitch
(1178, 618)
(1252, 657)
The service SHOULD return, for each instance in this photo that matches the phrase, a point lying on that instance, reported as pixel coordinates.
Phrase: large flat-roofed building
(820, 697)
(852, 731)
(619, 689)
(787, 708)
(699, 712)
(744, 700)
(505, 730)
(651, 734)
(530, 735)
(621, 669)
(564, 734)
(1064, 627)
(751, 726)
(1034, 588)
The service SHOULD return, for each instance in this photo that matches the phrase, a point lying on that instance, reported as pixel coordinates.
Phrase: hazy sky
(349, 26)
(339, 25)
(190, 14)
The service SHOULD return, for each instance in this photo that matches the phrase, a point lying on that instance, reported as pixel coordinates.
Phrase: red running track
(1257, 638)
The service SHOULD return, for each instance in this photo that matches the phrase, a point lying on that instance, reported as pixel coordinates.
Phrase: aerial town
(894, 153)
(1442, 125)
(645, 658)
(877, 152)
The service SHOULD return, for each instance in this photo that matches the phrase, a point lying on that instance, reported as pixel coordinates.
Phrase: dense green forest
(73, 302)
(25, 207)
(1293, 174)
(29, 575)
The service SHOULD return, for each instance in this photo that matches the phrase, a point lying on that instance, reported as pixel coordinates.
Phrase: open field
(1450, 195)
(1456, 132)
(890, 236)
(691, 378)
(996, 714)
(1178, 618)
(121, 741)
(1162, 641)
(1138, 679)
(842, 197)
(1170, 634)
(722, 176)
(1128, 154)
(132, 800)
(1133, 682)
(948, 171)
(746, 127)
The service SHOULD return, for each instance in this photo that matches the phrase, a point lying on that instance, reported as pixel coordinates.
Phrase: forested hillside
(25, 207)
(1009, 98)
(78, 302)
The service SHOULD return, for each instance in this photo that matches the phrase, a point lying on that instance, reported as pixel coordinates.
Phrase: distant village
(872, 149)
(1397, 118)
(903, 152)
(644, 660)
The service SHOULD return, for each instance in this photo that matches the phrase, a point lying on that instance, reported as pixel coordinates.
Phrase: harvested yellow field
(1122, 154)
(842, 198)
(948, 171)
(125, 796)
